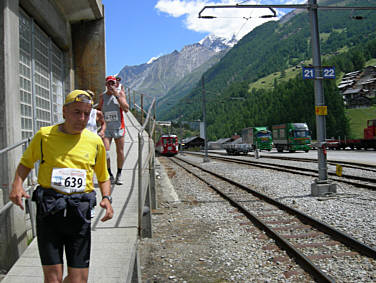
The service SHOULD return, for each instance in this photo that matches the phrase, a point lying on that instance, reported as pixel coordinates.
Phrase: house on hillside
(238, 140)
(358, 88)
(192, 142)
(218, 144)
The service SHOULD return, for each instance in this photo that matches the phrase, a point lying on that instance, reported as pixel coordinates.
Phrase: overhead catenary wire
(236, 35)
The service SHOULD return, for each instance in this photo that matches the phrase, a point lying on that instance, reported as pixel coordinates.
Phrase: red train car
(368, 140)
(167, 145)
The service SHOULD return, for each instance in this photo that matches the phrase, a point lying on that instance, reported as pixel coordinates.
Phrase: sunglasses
(82, 98)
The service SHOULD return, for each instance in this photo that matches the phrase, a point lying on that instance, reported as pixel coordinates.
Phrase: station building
(48, 48)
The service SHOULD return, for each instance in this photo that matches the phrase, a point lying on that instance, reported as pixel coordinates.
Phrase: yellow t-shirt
(82, 151)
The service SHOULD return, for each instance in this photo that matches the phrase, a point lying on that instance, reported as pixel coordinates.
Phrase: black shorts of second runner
(114, 133)
(59, 232)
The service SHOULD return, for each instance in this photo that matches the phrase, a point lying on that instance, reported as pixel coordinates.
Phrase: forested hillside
(345, 43)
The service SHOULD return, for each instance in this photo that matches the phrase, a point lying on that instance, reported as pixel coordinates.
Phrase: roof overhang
(81, 10)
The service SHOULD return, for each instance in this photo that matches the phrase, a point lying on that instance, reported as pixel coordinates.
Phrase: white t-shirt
(92, 123)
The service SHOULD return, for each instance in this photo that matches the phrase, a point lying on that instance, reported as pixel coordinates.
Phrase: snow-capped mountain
(156, 77)
(218, 43)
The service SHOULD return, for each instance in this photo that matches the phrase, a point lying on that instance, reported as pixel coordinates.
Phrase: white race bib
(68, 180)
(111, 116)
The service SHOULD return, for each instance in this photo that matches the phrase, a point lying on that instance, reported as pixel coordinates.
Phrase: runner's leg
(77, 275)
(120, 152)
(53, 273)
(107, 144)
(120, 159)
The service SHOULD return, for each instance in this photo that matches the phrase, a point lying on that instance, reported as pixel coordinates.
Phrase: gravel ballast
(200, 238)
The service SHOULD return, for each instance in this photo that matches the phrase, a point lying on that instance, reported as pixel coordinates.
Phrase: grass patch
(268, 81)
(358, 120)
(371, 62)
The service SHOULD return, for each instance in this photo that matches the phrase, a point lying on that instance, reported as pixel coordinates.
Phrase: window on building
(41, 78)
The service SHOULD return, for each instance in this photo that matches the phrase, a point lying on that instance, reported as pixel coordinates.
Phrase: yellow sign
(321, 110)
(339, 170)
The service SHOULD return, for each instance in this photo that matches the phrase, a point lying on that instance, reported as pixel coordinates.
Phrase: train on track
(167, 145)
(368, 141)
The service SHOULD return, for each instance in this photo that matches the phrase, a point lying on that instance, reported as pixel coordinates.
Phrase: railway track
(345, 164)
(354, 180)
(310, 242)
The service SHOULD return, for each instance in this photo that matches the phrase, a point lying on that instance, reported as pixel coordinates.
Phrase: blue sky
(138, 30)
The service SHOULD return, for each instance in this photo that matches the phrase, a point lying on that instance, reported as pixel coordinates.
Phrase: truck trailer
(252, 138)
(291, 137)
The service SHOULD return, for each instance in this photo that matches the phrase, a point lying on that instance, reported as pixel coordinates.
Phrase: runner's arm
(100, 104)
(102, 122)
(120, 96)
(105, 188)
(18, 192)
(122, 100)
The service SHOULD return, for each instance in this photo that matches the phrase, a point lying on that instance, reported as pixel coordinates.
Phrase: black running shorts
(64, 230)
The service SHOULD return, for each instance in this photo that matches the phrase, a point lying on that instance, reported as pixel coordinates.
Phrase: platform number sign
(308, 73)
(328, 73)
(324, 73)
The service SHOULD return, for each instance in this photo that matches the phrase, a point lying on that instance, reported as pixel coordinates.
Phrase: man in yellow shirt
(69, 155)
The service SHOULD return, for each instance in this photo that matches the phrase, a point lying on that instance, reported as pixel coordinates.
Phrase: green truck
(252, 138)
(291, 137)
(258, 137)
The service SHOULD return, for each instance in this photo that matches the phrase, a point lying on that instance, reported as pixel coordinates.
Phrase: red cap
(111, 78)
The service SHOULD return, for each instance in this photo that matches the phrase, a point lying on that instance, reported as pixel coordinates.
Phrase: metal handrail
(140, 165)
(148, 116)
(10, 204)
(25, 141)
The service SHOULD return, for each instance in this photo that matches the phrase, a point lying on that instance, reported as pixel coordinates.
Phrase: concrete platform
(114, 243)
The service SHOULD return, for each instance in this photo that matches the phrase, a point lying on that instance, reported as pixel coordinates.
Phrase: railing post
(32, 214)
(142, 109)
(134, 99)
(140, 205)
(153, 200)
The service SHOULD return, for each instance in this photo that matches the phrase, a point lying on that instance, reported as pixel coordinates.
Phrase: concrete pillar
(88, 40)
(12, 223)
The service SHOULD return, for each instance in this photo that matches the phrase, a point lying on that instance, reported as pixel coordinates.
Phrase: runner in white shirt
(96, 117)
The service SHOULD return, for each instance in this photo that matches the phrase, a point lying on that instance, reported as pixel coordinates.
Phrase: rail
(29, 188)
(146, 187)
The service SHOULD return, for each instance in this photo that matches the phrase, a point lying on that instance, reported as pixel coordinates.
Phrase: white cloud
(229, 21)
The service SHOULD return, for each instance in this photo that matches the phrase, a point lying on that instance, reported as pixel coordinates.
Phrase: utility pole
(206, 159)
(321, 185)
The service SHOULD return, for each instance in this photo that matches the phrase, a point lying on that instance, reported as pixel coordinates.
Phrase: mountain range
(158, 76)
(347, 42)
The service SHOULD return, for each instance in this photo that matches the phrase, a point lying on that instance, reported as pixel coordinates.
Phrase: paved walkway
(114, 243)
